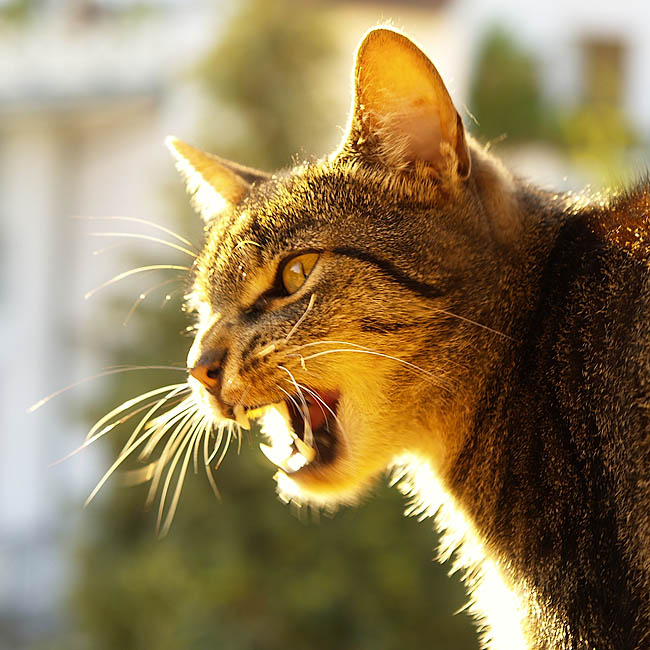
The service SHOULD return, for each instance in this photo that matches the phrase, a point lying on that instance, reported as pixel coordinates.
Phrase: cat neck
(539, 468)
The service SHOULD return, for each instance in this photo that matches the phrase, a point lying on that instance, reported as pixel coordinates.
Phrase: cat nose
(209, 377)
(208, 370)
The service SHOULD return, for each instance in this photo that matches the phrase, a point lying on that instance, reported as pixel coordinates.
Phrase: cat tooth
(305, 450)
(276, 425)
(296, 462)
(283, 411)
(308, 435)
(241, 417)
(277, 455)
(254, 414)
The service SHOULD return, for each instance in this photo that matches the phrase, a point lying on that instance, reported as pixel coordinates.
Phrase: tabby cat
(409, 304)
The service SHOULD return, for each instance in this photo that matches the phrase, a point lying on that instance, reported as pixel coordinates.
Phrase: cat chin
(324, 487)
(334, 471)
(323, 467)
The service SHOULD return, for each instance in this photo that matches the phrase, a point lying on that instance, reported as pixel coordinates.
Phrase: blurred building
(87, 95)
(88, 91)
(588, 54)
(587, 51)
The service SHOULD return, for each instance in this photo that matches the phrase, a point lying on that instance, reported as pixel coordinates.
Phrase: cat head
(347, 303)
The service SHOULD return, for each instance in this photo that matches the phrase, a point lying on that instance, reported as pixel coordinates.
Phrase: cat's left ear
(402, 110)
(213, 182)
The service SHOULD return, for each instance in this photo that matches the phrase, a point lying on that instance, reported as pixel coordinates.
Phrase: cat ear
(213, 182)
(402, 111)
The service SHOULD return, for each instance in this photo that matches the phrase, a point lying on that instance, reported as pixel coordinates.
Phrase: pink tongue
(322, 408)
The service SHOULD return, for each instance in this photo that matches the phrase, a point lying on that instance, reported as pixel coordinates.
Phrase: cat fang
(300, 431)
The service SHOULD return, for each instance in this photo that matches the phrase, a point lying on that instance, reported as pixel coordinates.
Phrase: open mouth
(302, 430)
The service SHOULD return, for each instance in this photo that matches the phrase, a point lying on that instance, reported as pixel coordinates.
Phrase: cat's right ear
(214, 183)
(402, 113)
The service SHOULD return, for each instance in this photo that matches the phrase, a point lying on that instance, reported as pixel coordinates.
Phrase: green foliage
(18, 11)
(505, 95)
(267, 70)
(246, 571)
(598, 138)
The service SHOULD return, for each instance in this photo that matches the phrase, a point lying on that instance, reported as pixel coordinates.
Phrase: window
(603, 72)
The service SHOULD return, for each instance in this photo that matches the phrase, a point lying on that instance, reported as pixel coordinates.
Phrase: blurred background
(88, 91)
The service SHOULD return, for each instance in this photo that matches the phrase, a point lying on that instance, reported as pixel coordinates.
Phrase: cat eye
(297, 270)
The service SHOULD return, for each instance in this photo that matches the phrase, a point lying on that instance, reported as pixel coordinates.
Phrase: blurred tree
(598, 137)
(507, 99)
(246, 572)
(18, 11)
(505, 94)
(268, 72)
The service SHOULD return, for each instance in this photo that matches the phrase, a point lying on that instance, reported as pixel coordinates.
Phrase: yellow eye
(297, 270)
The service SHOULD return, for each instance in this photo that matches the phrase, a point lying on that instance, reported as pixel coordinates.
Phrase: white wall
(83, 116)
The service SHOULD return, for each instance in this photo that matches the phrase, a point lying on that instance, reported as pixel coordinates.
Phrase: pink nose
(208, 376)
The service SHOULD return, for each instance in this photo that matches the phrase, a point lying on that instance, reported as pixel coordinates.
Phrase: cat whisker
(304, 411)
(170, 295)
(143, 296)
(186, 441)
(194, 437)
(265, 351)
(129, 403)
(146, 222)
(188, 428)
(127, 450)
(223, 426)
(308, 436)
(151, 238)
(146, 424)
(407, 364)
(224, 448)
(321, 404)
(207, 433)
(328, 341)
(473, 322)
(128, 366)
(243, 242)
(109, 428)
(177, 439)
(354, 347)
(132, 477)
(196, 447)
(111, 370)
(164, 423)
(297, 324)
(218, 437)
(271, 347)
(140, 269)
(105, 249)
(315, 395)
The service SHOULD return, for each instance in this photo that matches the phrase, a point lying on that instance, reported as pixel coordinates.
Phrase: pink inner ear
(400, 93)
(421, 127)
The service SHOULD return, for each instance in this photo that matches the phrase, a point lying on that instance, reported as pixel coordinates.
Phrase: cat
(408, 304)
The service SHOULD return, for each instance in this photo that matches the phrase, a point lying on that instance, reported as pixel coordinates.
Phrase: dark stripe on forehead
(423, 289)
(378, 326)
